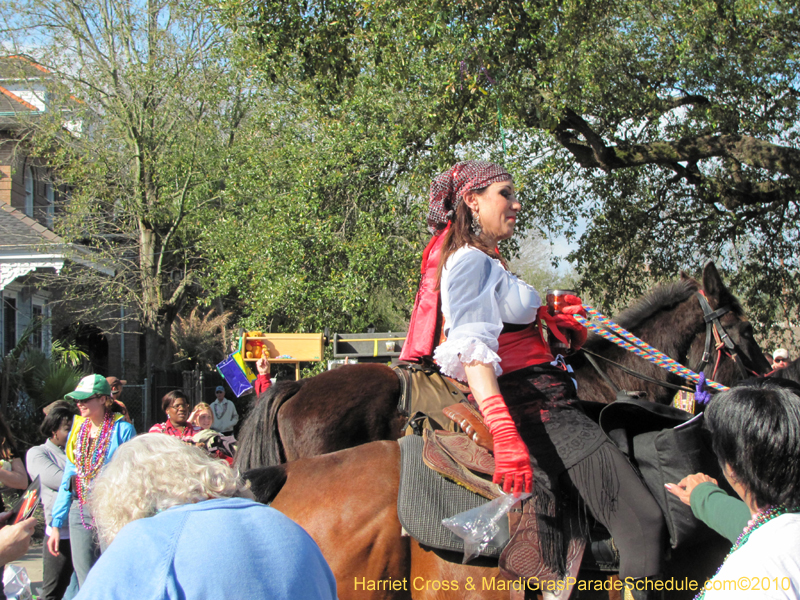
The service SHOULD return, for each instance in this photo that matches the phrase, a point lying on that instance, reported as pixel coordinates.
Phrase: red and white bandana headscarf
(449, 188)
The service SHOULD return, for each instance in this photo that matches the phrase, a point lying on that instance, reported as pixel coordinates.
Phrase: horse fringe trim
(631, 343)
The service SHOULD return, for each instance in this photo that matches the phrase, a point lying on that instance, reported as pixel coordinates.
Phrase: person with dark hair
(115, 403)
(495, 343)
(47, 462)
(755, 432)
(12, 471)
(95, 435)
(727, 515)
(12, 474)
(176, 406)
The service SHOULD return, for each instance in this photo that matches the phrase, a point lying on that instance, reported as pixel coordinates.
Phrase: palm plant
(30, 380)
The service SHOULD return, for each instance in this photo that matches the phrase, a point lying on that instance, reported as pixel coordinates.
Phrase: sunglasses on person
(781, 359)
(85, 400)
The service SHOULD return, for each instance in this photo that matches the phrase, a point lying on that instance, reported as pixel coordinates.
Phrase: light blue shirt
(218, 549)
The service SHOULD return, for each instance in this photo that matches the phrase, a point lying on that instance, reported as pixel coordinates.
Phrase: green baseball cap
(91, 385)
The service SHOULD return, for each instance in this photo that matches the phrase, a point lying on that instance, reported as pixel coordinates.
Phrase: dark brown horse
(671, 318)
(357, 404)
(347, 501)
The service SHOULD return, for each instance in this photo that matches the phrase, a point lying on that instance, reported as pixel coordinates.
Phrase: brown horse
(671, 318)
(347, 501)
(358, 403)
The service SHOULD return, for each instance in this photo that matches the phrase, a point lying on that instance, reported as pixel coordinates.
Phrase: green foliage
(31, 380)
(69, 354)
(319, 227)
(534, 265)
(144, 110)
(668, 126)
(55, 379)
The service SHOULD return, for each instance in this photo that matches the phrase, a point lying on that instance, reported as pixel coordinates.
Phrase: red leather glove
(512, 463)
(564, 320)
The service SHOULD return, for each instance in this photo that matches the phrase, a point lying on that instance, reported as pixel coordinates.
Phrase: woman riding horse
(491, 318)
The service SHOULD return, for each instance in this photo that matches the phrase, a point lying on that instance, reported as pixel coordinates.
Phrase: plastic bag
(481, 525)
(16, 583)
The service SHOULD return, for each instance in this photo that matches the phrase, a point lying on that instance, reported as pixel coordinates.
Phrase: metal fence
(144, 400)
(135, 398)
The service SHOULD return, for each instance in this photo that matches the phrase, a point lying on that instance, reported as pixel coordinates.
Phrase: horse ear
(713, 286)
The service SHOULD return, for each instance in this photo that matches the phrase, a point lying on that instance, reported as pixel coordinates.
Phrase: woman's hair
(154, 472)
(6, 440)
(755, 430)
(115, 406)
(461, 234)
(170, 397)
(60, 413)
(204, 406)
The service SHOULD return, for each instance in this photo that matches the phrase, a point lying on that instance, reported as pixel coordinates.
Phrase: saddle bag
(425, 391)
(665, 444)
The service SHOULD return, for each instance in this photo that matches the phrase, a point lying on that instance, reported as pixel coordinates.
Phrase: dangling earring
(476, 224)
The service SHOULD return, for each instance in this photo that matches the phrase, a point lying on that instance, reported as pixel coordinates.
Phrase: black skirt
(543, 402)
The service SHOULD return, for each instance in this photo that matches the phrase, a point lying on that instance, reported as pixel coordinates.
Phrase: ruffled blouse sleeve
(470, 284)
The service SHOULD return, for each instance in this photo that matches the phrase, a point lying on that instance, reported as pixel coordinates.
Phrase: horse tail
(266, 482)
(259, 439)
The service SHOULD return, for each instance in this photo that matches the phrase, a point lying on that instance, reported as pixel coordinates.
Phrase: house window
(29, 191)
(9, 323)
(36, 316)
(51, 204)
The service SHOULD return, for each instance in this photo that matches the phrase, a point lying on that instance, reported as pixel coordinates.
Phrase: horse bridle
(714, 330)
(723, 342)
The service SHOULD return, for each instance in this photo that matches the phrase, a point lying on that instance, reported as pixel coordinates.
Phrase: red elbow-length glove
(512, 463)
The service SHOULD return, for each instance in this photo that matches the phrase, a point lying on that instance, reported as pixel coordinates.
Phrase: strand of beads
(759, 519)
(88, 463)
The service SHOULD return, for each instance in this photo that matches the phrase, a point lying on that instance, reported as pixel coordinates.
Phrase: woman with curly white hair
(163, 507)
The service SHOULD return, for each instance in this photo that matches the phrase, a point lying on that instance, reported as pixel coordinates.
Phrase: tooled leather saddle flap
(438, 457)
(471, 423)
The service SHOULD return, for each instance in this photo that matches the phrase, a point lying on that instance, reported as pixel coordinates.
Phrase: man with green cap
(95, 435)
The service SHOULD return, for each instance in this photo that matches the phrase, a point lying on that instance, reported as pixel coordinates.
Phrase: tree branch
(594, 153)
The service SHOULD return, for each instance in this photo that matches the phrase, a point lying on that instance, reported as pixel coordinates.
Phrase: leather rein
(723, 344)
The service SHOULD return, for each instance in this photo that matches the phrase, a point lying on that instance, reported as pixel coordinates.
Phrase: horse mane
(266, 482)
(662, 296)
(259, 441)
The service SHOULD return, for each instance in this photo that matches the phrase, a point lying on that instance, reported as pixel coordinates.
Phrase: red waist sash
(523, 348)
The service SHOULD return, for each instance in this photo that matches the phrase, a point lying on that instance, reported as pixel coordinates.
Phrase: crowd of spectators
(82, 433)
(112, 499)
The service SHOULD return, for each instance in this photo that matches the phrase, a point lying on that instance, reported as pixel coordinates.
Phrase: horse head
(672, 318)
(723, 360)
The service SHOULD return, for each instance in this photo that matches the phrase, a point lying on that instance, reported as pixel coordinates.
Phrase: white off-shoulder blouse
(478, 296)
